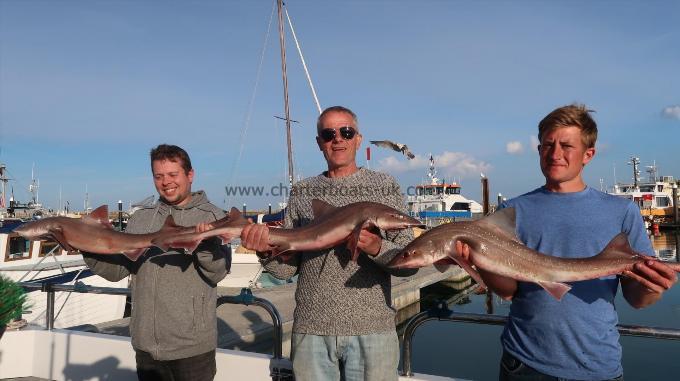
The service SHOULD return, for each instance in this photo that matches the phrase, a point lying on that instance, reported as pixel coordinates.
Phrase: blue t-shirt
(575, 338)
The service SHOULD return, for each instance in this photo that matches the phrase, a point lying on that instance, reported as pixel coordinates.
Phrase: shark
(494, 247)
(330, 227)
(94, 233)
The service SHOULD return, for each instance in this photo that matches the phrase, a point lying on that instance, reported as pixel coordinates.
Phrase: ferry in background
(654, 196)
(440, 202)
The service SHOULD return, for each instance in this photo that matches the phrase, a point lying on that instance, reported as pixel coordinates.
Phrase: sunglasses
(328, 134)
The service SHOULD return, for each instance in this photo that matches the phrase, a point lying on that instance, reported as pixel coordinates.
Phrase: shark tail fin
(134, 255)
(555, 289)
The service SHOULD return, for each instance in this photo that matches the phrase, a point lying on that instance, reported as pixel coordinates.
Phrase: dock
(249, 328)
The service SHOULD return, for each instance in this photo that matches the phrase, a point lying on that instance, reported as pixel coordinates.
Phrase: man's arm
(211, 258)
(110, 267)
(380, 250)
(211, 255)
(646, 283)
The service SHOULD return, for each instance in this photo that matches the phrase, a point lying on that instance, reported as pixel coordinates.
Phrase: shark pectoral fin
(281, 249)
(58, 236)
(319, 208)
(555, 289)
(134, 255)
(467, 266)
(353, 239)
(443, 264)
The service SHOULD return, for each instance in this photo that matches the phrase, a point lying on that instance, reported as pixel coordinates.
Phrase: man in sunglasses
(343, 323)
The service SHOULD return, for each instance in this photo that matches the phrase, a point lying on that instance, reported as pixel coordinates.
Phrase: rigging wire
(304, 64)
(251, 103)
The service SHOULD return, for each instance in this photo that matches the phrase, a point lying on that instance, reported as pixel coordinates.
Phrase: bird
(394, 146)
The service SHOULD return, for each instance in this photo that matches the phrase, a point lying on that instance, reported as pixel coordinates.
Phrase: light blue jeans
(350, 358)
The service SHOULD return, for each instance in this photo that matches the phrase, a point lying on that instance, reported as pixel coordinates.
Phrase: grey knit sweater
(334, 295)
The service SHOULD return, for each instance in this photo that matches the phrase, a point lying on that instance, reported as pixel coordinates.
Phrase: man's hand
(369, 242)
(256, 237)
(463, 250)
(203, 227)
(654, 275)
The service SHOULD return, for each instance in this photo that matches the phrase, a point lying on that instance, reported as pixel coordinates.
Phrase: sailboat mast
(282, 41)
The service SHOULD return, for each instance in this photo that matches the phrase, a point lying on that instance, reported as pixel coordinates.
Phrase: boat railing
(441, 312)
(246, 297)
(50, 254)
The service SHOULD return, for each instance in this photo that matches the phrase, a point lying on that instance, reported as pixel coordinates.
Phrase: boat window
(460, 206)
(663, 202)
(17, 247)
(452, 190)
(47, 246)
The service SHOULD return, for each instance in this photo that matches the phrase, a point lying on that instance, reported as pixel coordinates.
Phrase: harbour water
(472, 351)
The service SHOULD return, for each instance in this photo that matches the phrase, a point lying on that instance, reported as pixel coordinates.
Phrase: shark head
(391, 219)
(33, 230)
(418, 253)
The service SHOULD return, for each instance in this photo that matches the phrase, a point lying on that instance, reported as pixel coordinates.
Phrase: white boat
(440, 201)
(654, 197)
(32, 261)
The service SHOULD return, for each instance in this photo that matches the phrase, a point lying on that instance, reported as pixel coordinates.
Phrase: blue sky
(88, 87)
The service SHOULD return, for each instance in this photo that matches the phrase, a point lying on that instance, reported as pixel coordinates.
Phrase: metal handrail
(247, 298)
(442, 312)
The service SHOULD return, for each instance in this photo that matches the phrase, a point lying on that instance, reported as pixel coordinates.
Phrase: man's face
(339, 151)
(172, 182)
(563, 156)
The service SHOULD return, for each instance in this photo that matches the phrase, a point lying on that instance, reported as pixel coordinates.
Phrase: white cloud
(533, 143)
(514, 147)
(448, 164)
(671, 112)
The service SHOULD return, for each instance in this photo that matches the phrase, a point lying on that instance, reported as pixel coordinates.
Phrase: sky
(88, 87)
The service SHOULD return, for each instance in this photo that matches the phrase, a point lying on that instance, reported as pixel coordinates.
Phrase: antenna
(635, 161)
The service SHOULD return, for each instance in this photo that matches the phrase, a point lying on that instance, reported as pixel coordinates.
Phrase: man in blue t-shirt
(575, 338)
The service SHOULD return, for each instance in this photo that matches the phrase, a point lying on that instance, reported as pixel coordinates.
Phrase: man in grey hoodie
(173, 325)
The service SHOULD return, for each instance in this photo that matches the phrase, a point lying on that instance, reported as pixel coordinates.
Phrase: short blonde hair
(574, 115)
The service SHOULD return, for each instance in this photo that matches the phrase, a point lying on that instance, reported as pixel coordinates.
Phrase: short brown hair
(573, 115)
(171, 153)
(319, 123)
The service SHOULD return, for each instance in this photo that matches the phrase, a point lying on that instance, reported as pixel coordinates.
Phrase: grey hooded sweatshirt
(173, 293)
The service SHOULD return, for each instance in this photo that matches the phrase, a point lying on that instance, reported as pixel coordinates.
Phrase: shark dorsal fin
(101, 214)
(169, 223)
(321, 207)
(235, 214)
(619, 242)
(502, 220)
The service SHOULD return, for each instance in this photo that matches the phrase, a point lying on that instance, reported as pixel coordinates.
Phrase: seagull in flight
(394, 146)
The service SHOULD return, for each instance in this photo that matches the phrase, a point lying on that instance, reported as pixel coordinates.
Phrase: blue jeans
(196, 368)
(332, 358)
(514, 370)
